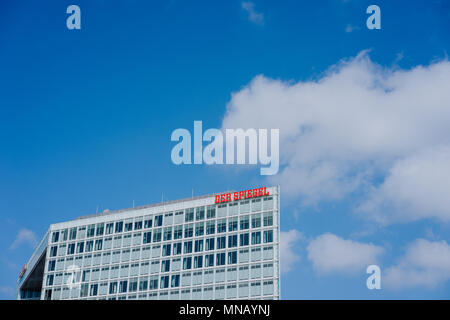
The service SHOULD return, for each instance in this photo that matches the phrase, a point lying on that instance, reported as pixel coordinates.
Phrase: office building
(219, 246)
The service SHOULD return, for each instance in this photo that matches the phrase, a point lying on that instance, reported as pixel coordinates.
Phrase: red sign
(233, 196)
(24, 268)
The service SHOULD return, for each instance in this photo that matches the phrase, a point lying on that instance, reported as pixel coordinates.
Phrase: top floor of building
(185, 214)
(179, 212)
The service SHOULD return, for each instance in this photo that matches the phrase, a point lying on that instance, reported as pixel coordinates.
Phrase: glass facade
(187, 249)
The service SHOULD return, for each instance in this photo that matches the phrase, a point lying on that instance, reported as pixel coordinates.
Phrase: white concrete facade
(185, 249)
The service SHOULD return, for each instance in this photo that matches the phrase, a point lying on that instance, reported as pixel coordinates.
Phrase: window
(198, 262)
(233, 208)
(167, 233)
(222, 210)
(209, 260)
(98, 244)
(108, 243)
(119, 226)
(81, 232)
(80, 247)
(244, 224)
(268, 219)
(187, 263)
(268, 236)
(164, 282)
(232, 257)
(91, 230)
(200, 213)
(113, 287)
(199, 229)
(243, 239)
(245, 206)
(222, 225)
(155, 267)
(256, 237)
(109, 228)
(73, 233)
(198, 246)
(178, 232)
(220, 259)
(128, 226)
(211, 212)
(177, 248)
(148, 223)
(210, 227)
(153, 283)
(210, 244)
(268, 203)
(168, 218)
(268, 269)
(179, 216)
(268, 287)
(188, 247)
(256, 220)
(84, 290)
(143, 284)
(85, 277)
(89, 245)
(158, 221)
(175, 281)
(188, 231)
(133, 285)
(221, 243)
(157, 235)
(64, 235)
(50, 280)
(189, 215)
(138, 225)
(51, 265)
(137, 238)
(232, 241)
(53, 251)
(255, 288)
(166, 250)
(100, 229)
(94, 289)
(256, 204)
(123, 286)
(62, 249)
(71, 248)
(124, 269)
(232, 225)
(55, 236)
(147, 237)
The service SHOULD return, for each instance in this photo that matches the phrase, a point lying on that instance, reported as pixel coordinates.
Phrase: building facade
(207, 247)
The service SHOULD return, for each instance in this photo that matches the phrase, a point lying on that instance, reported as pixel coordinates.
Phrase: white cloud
(24, 236)
(253, 16)
(288, 256)
(425, 264)
(417, 187)
(350, 127)
(330, 253)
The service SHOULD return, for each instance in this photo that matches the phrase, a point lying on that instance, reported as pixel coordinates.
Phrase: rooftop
(108, 212)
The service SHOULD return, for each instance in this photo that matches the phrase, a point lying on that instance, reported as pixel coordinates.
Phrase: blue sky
(86, 117)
